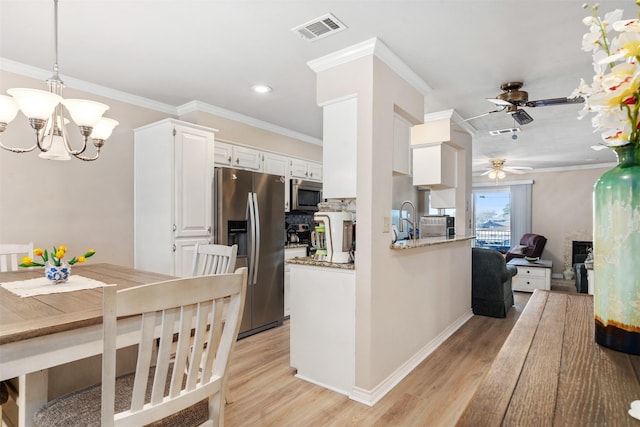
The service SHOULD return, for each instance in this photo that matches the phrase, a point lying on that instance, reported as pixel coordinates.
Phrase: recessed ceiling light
(261, 88)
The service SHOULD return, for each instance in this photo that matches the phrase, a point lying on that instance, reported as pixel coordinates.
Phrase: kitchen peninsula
(361, 331)
(322, 335)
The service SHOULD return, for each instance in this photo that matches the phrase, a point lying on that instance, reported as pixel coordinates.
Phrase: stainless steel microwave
(305, 195)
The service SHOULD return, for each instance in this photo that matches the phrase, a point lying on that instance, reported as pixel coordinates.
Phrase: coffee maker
(333, 236)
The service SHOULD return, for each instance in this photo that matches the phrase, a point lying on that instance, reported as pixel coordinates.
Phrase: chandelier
(45, 111)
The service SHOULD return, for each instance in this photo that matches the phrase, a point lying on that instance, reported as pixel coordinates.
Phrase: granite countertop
(295, 245)
(428, 241)
(316, 263)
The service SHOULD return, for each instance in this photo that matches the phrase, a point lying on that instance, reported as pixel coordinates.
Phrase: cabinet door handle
(174, 247)
(174, 227)
(229, 159)
(237, 160)
(209, 229)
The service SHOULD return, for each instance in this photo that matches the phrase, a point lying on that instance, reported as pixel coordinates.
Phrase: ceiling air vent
(504, 131)
(319, 27)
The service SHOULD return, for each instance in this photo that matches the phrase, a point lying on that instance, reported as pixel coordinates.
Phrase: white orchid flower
(627, 25)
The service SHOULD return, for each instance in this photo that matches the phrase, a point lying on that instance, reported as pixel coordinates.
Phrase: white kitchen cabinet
(401, 146)
(247, 158)
(339, 145)
(288, 254)
(275, 164)
(322, 326)
(235, 156)
(222, 154)
(435, 166)
(173, 172)
(305, 169)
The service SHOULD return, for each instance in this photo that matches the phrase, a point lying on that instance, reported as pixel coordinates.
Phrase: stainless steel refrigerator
(248, 212)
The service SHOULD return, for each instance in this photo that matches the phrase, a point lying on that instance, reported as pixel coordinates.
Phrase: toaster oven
(437, 225)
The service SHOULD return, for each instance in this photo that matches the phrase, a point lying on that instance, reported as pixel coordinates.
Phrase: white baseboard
(371, 397)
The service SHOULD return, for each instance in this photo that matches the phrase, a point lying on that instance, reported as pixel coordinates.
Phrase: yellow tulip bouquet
(54, 257)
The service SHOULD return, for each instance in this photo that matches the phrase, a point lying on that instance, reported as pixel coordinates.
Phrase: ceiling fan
(512, 98)
(498, 169)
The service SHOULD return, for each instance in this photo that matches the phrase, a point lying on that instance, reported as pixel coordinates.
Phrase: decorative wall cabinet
(401, 146)
(435, 166)
(339, 148)
(173, 172)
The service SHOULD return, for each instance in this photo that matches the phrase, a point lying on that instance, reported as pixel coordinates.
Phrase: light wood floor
(266, 393)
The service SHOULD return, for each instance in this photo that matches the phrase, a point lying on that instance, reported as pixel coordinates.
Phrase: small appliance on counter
(333, 236)
(437, 225)
(299, 233)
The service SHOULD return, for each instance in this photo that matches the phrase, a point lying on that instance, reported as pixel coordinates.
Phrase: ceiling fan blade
(482, 115)
(487, 172)
(514, 170)
(554, 101)
(500, 102)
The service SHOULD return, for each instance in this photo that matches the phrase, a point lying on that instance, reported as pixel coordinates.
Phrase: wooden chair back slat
(193, 309)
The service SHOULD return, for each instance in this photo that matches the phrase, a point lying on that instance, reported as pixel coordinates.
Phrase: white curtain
(520, 211)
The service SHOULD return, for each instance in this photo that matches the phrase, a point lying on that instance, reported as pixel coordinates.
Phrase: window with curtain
(502, 214)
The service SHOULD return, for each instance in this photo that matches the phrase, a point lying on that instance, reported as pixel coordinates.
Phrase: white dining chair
(214, 259)
(11, 255)
(163, 391)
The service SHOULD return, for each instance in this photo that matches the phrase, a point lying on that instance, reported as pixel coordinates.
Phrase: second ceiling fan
(512, 98)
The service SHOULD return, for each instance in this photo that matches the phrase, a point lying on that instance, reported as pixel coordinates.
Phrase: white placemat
(43, 286)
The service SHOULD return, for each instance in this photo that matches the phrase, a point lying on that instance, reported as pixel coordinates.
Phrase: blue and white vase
(57, 274)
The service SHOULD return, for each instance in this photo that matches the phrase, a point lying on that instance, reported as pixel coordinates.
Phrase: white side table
(531, 275)
(590, 281)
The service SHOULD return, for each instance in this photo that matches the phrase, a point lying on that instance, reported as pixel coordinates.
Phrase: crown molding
(203, 107)
(40, 74)
(373, 46)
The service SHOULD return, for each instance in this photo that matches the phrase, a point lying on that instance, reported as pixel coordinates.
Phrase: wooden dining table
(551, 372)
(39, 332)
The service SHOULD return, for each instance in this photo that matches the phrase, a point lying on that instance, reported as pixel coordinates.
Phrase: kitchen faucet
(413, 224)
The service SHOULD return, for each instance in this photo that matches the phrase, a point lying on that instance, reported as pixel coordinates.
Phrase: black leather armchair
(531, 245)
(491, 293)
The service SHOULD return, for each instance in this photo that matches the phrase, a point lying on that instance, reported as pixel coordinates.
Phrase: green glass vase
(616, 246)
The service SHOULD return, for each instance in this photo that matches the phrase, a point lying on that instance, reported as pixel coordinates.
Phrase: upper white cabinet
(223, 154)
(173, 172)
(305, 169)
(435, 166)
(401, 146)
(339, 148)
(276, 164)
(241, 157)
(235, 156)
(247, 158)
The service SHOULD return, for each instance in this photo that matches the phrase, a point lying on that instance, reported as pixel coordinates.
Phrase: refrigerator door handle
(252, 248)
(257, 239)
